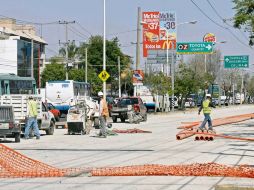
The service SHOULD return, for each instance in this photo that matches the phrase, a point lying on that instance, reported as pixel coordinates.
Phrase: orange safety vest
(104, 108)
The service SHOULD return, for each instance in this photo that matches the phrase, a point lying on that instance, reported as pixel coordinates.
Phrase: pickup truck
(45, 118)
(126, 106)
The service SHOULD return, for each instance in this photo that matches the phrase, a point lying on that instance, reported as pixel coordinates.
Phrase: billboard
(209, 37)
(159, 31)
(137, 77)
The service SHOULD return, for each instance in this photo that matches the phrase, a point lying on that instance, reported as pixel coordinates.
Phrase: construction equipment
(81, 116)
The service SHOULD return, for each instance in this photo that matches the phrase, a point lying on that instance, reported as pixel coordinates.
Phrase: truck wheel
(114, 118)
(50, 131)
(122, 119)
(17, 137)
(57, 118)
(96, 123)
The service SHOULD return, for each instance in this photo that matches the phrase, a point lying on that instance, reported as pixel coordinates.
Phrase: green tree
(245, 16)
(53, 72)
(188, 81)
(95, 59)
(72, 50)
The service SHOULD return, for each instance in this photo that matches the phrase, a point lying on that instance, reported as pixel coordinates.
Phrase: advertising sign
(159, 31)
(137, 77)
(209, 37)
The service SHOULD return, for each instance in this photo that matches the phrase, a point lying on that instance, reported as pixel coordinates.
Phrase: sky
(121, 21)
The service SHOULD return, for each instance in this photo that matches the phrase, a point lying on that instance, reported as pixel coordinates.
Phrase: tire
(51, 129)
(96, 123)
(122, 119)
(57, 118)
(114, 118)
(17, 137)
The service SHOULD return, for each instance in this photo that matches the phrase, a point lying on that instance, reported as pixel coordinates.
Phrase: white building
(16, 44)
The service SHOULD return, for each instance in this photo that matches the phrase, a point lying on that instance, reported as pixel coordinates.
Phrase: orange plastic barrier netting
(130, 131)
(14, 164)
(208, 169)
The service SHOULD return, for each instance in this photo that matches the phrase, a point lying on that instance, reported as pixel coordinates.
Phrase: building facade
(22, 52)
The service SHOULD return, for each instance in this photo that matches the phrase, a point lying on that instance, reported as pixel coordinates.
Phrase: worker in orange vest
(103, 114)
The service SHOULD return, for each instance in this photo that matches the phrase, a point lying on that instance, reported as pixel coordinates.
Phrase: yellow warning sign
(104, 75)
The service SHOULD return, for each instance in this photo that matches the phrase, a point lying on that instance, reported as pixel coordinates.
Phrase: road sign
(241, 61)
(104, 75)
(194, 47)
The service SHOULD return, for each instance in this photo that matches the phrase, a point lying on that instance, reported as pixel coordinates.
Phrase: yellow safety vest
(206, 108)
(32, 108)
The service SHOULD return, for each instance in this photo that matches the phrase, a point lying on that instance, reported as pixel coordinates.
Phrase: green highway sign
(194, 47)
(240, 61)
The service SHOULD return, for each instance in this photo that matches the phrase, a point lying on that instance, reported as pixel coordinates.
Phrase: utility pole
(32, 58)
(241, 92)
(173, 82)
(119, 76)
(138, 46)
(138, 40)
(86, 66)
(104, 47)
(66, 44)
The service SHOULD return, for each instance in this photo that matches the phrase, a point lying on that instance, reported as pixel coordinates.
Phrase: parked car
(55, 111)
(175, 101)
(127, 105)
(189, 103)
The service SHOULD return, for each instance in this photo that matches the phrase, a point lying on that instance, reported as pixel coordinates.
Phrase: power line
(224, 20)
(225, 28)
(75, 31)
(29, 22)
(84, 28)
(124, 32)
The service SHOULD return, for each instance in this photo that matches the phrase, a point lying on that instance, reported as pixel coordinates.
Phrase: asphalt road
(159, 147)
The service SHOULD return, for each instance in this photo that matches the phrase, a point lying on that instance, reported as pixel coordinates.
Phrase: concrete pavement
(158, 147)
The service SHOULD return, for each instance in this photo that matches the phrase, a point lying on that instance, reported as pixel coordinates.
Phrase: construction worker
(31, 122)
(206, 106)
(103, 114)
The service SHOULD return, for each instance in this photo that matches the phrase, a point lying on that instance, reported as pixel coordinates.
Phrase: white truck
(46, 120)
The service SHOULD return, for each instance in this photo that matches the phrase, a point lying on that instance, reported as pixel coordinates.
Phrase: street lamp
(104, 46)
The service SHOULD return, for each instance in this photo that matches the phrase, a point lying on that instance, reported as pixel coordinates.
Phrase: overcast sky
(121, 20)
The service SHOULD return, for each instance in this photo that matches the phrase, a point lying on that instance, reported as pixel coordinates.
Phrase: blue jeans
(206, 119)
(32, 123)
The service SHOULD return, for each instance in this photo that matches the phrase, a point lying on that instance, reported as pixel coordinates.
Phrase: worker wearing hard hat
(103, 114)
(206, 106)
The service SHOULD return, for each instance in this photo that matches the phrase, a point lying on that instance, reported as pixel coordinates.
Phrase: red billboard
(159, 31)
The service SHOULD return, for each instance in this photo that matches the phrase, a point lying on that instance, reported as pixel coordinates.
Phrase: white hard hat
(100, 93)
(208, 95)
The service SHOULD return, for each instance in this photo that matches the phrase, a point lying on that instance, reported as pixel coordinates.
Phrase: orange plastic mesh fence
(14, 164)
(207, 169)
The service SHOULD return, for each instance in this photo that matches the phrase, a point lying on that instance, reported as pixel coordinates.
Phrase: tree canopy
(244, 17)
